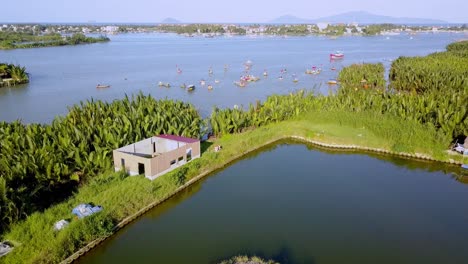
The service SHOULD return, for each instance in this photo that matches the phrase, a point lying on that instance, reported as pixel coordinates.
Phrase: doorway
(141, 168)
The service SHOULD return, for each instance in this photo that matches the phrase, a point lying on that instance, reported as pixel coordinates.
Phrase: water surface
(63, 76)
(296, 204)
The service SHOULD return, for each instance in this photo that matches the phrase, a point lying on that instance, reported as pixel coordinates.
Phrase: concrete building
(156, 155)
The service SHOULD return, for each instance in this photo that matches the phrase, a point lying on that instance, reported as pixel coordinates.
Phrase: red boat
(337, 55)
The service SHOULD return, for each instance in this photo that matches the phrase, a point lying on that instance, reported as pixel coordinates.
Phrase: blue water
(130, 63)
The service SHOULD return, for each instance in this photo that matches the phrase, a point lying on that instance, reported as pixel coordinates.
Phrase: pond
(296, 204)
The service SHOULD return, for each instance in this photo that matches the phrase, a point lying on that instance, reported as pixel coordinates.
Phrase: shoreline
(301, 139)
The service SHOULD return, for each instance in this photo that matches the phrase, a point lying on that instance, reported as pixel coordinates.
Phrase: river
(130, 63)
(297, 204)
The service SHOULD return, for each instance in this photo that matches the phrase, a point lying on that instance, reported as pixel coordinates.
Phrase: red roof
(178, 138)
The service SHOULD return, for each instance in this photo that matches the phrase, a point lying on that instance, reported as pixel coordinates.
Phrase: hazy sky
(220, 10)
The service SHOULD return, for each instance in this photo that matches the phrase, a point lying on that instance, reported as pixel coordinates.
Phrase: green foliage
(13, 40)
(335, 30)
(79, 38)
(431, 90)
(438, 72)
(179, 176)
(247, 260)
(459, 48)
(295, 30)
(43, 164)
(15, 72)
(192, 28)
(376, 29)
(276, 108)
(365, 76)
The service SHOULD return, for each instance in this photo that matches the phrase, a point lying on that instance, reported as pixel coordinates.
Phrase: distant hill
(360, 17)
(170, 20)
(363, 17)
(289, 19)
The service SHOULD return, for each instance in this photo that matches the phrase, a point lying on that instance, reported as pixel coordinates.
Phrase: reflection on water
(295, 204)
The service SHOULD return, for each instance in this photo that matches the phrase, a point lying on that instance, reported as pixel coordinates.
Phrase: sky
(210, 11)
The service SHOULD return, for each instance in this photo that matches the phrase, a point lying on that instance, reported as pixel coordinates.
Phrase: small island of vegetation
(247, 260)
(46, 170)
(23, 40)
(11, 75)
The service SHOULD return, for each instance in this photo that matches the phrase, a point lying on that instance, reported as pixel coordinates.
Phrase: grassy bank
(122, 196)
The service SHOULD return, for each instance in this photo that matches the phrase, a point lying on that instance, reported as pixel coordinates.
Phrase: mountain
(360, 17)
(289, 19)
(363, 17)
(170, 20)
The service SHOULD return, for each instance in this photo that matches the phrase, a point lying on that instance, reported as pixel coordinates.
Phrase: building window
(122, 162)
(180, 159)
(173, 162)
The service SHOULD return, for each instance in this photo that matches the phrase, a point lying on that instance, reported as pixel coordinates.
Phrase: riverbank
(11, 40)
(126, 198)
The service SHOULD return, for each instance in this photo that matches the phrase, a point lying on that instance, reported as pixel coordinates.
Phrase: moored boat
(191, 87)
(240, 83)
(337, 55)
(102, 86)
(161, 84)
(332, 82)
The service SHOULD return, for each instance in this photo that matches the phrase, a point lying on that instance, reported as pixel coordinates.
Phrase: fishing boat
(202, 82)
(161, 84)
(216, 81)
(265, 73)
(102, 86)
(210, 87)
(240, 83)
(312, 71)
(249, 78)
(337, 55)
(295, 80)
(332, 82)
(190, 87)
